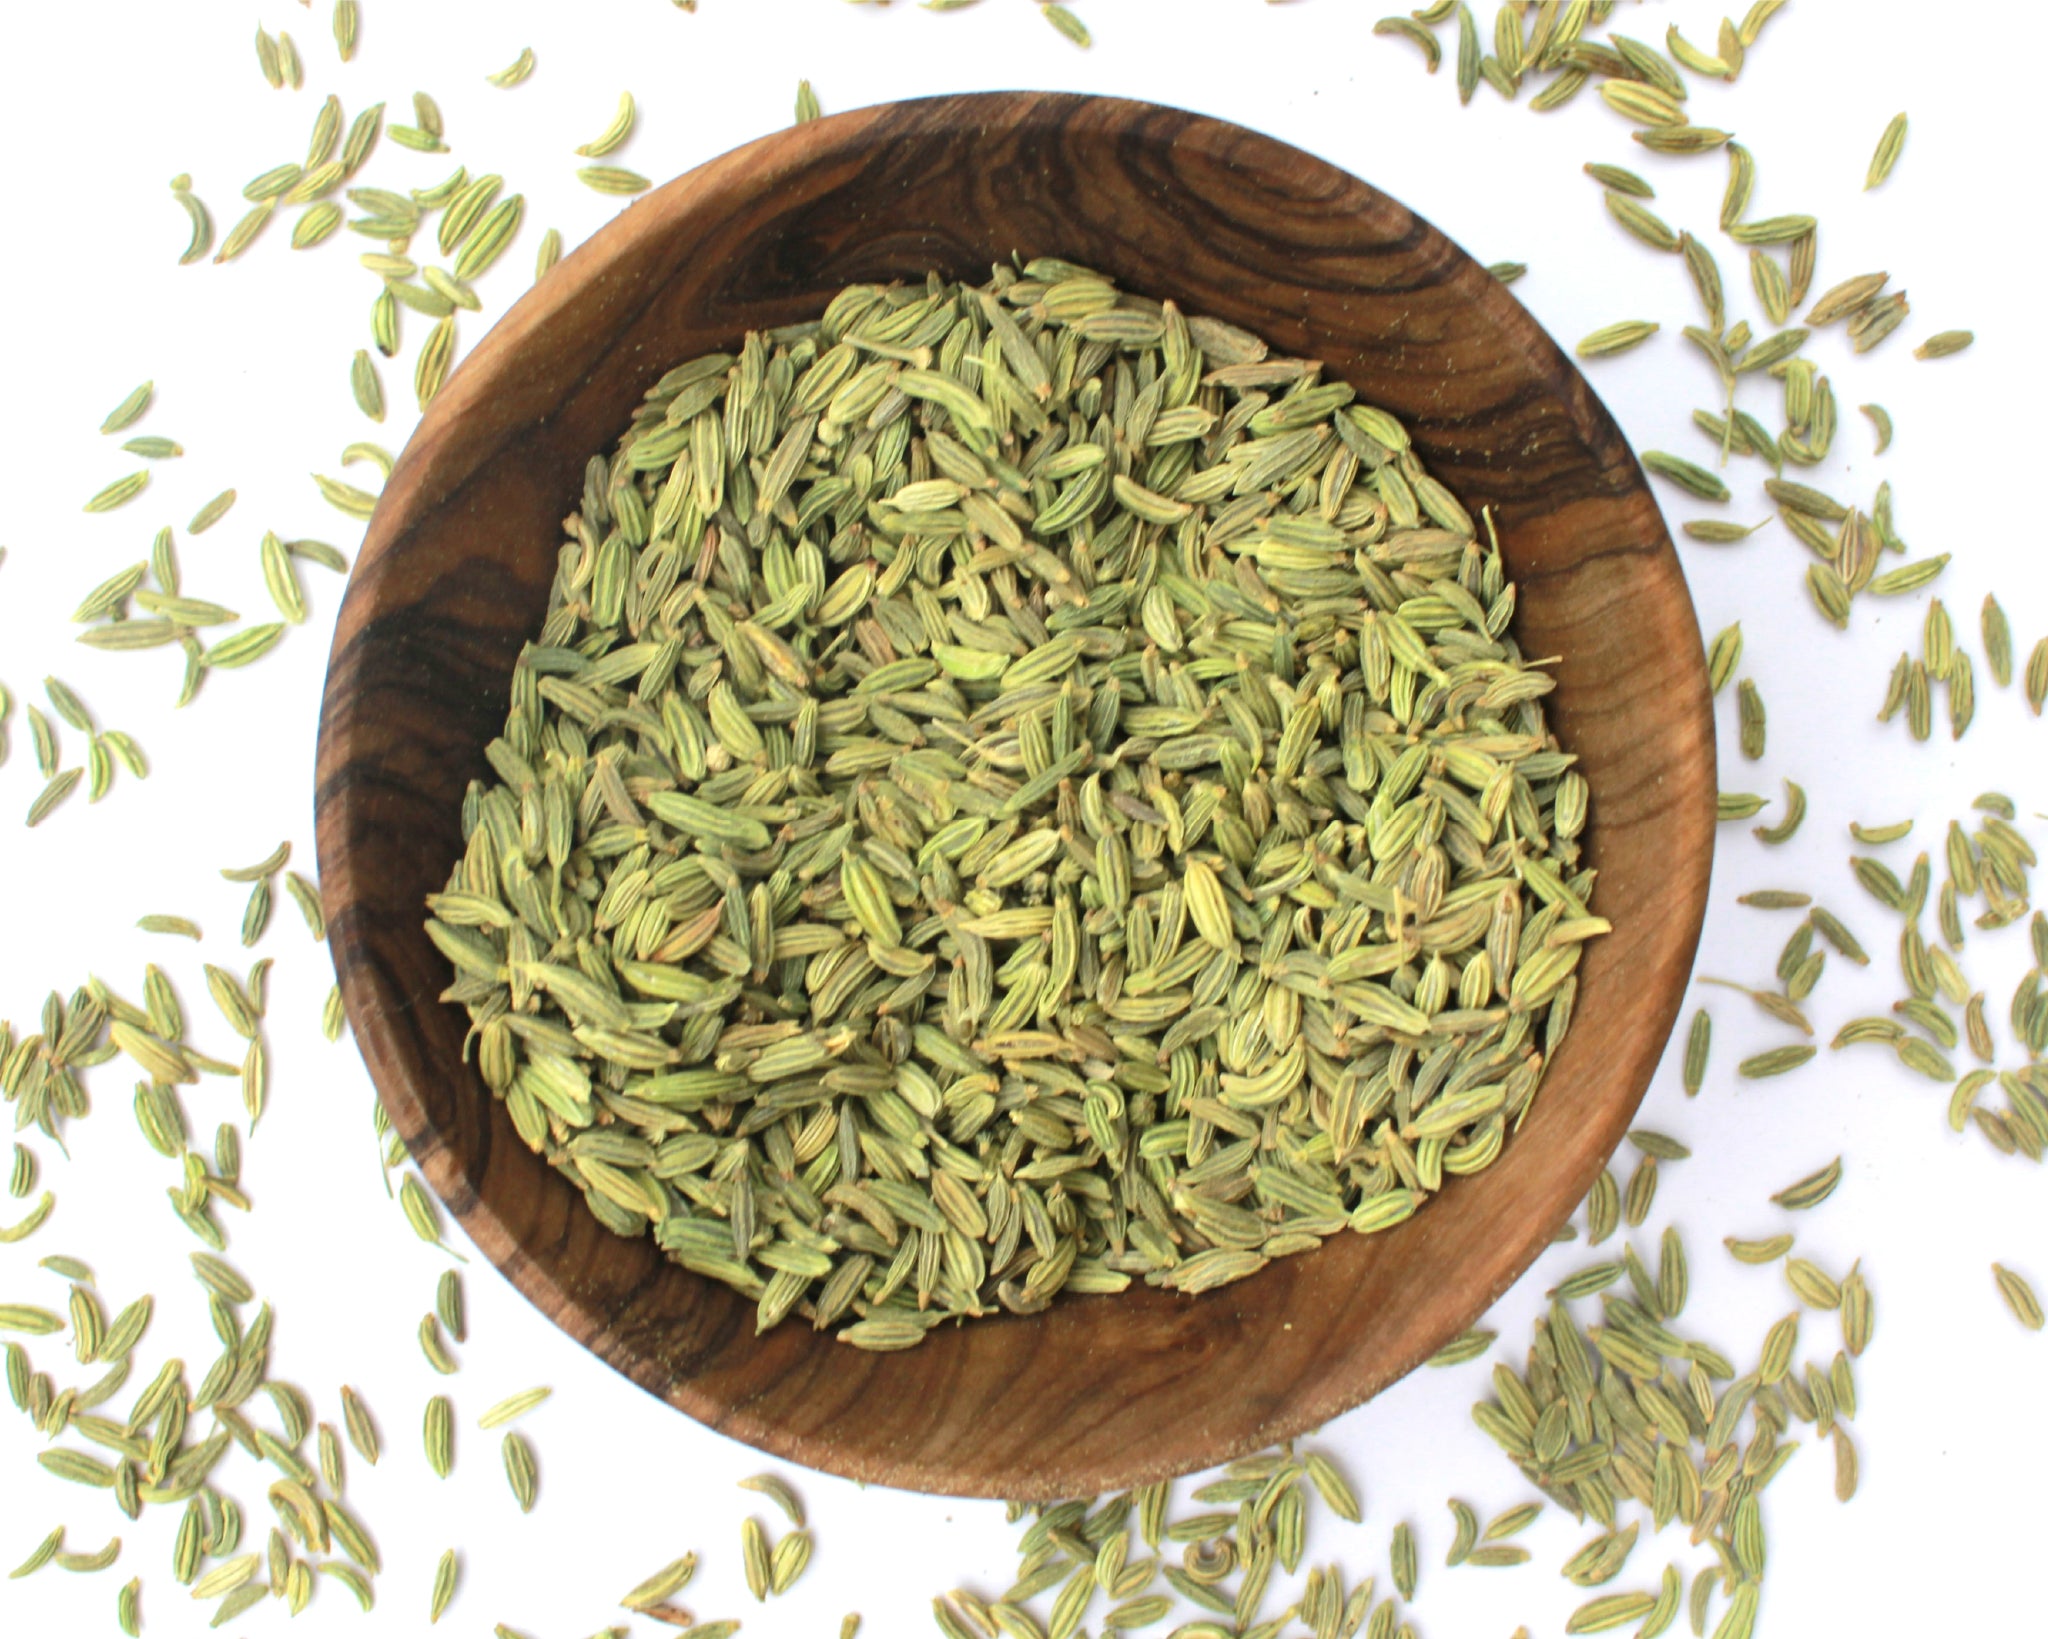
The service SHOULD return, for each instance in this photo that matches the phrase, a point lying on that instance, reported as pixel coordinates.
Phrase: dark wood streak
(453, 577)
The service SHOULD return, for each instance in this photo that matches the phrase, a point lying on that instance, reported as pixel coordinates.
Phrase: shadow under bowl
(453, 578)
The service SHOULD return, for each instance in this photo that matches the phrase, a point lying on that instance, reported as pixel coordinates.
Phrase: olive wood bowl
(453, 577)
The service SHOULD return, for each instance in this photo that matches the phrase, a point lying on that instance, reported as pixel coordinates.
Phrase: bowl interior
(453, 578)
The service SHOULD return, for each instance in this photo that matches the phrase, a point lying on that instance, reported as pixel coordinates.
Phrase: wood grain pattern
(453, 577)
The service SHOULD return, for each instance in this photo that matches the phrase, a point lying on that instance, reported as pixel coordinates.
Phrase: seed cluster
(1017, 790)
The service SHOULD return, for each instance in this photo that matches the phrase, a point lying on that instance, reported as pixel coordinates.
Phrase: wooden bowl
(453, 577)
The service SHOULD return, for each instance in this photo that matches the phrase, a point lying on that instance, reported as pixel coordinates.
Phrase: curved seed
(778, 1492)
(614, 134)
(515, 72)
(1408, 29)
(1811, 1190)
(201, 239)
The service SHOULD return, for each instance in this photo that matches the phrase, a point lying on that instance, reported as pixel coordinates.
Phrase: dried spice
(1048, 958)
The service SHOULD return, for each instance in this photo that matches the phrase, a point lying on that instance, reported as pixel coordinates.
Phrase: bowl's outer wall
(453, 578)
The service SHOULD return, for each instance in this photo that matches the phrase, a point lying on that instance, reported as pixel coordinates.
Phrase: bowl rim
(739, 173)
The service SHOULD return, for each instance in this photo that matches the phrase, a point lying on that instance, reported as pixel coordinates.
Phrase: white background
(101, 103)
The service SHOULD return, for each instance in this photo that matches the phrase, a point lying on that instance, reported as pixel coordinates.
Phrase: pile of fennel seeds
(1017, 789)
